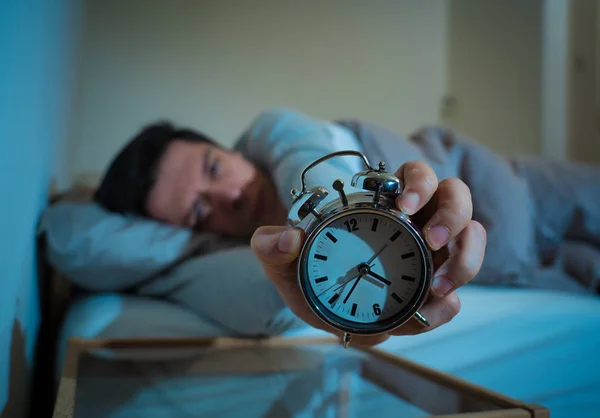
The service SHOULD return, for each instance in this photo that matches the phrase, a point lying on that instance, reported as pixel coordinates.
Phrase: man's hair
(132, 173)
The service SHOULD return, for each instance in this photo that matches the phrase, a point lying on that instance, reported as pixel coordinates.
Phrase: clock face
(365, 271)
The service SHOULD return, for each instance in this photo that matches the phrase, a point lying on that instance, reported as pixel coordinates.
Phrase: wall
(555, 78)
(584, 82)
(494, 72)
(214, 65)
(36, 41)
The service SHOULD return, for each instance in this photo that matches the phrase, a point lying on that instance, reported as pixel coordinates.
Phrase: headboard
(58, 288)
(55, 292)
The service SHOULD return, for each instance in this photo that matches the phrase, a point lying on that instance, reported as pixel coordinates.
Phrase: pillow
(228, 288)
(99, 250)
(103, 251)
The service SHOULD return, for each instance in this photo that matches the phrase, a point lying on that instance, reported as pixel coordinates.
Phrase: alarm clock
(364, 267)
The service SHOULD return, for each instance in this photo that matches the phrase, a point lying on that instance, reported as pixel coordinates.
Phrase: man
(184, 178)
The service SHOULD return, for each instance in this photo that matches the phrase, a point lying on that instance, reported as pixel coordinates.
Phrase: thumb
(277, 248)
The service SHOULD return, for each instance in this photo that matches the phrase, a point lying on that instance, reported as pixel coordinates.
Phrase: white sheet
(537, 346)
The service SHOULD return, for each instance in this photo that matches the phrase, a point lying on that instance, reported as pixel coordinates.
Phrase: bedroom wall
(494, 73)
(584, 82)
(37, 44)
(214, 65)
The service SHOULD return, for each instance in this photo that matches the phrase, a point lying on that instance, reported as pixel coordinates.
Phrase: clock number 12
(351, 225)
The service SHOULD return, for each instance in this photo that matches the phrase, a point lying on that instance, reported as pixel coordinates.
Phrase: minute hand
(338, 285)
(380, 278)
(376, 254)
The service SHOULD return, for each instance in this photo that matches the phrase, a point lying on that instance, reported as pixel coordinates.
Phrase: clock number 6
(351, 225)
(376, 309)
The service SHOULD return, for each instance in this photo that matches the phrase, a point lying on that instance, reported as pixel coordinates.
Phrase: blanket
(542, 216)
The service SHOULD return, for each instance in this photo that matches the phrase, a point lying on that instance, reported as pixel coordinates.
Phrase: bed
(538, 346)
(535, 346)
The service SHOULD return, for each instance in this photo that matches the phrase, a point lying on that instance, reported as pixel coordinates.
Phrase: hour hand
(378, 277)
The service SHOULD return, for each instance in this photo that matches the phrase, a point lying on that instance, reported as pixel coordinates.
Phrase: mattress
(540, 347)
(536, 346)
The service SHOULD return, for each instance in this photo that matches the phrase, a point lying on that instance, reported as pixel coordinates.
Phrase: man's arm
(284, 141)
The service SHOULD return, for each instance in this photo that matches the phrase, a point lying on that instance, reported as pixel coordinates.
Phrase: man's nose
(232, 198)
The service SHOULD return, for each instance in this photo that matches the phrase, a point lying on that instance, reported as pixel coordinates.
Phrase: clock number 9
(350, 227)
(376, 309)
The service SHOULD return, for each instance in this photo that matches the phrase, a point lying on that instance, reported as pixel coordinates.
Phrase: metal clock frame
(380, 189)
(364, 209)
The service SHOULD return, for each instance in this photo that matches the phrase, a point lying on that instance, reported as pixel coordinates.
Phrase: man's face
(203, 187)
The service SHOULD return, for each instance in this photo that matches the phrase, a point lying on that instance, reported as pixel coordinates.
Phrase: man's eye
(214, 168)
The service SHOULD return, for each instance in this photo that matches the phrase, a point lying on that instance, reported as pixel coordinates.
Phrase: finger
(463, 264)
(453, 212)
(438, 311)
(277, 249)
(419, 183)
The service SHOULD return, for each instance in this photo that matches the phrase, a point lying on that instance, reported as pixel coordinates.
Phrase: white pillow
(101, 250)
(228, 287)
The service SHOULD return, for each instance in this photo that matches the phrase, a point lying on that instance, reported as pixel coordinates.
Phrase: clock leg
(422, 320)
(347, 339)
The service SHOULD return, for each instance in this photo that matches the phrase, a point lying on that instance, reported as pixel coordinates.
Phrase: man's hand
(443, 212)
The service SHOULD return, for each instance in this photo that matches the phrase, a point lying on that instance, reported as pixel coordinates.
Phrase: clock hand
(338, 285)
(376, 254)
(378, 277)
(362, 273)
(352, 289)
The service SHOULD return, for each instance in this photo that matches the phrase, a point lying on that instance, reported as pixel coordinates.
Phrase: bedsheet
(537, 346)
(534, 345)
